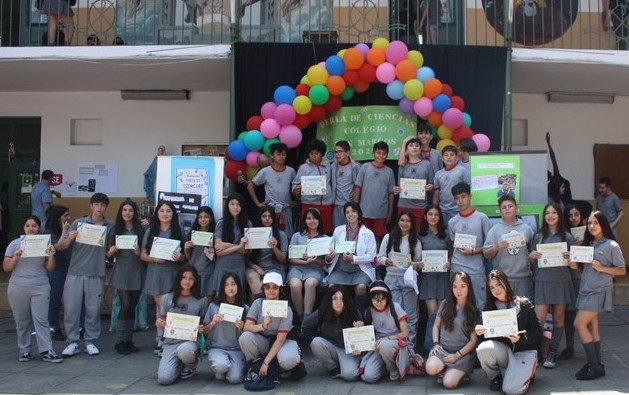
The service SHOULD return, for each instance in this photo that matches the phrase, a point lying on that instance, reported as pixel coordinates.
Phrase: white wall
(131, 130)
(574, 129)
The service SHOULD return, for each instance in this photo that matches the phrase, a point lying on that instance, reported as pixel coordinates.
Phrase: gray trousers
(372, 367)
(82, 292)
(253, 345)
(390, 351)
(335, 357)
(497, 358)
(406, 297)
(338, 216)
(174, 357)
(479, 285)
(230, 363)
(29, 305)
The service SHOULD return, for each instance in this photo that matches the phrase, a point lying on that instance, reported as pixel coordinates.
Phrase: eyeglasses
(269, 287)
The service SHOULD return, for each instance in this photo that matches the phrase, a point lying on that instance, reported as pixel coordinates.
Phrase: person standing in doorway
(41, 196)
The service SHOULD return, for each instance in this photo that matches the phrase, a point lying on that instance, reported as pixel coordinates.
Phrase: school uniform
(304, 272)
(323, 202)
(418, 170)
(361, 270)
(234, 262)
(57, 279)
(611, 206)
(159, 276)
(205, 268)
(376, 184)
(443, 182)
(343, 180)
(267, 260)
(553, 285)
(433, 157)
(454, 340)
(277, 191)
(434, 285)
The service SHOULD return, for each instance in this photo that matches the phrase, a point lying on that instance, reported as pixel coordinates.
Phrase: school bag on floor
(255, 382)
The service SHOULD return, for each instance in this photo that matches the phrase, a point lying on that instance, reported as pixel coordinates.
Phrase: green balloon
(267, 145)
(242, 136)
(319, 95)
(348, 93)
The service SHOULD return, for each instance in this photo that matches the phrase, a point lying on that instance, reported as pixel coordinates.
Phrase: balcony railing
(578, 24)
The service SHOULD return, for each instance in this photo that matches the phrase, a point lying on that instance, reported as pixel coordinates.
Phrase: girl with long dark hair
(199, 256)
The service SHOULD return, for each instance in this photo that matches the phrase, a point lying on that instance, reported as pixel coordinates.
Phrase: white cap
(274, 278)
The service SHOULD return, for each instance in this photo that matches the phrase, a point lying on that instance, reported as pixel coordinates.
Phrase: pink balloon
(482, 142)
(252, 158)
(270, 128)
(423, 107)
(285, 114)
(452, 118)
(290, 135)
(396, 51)
(385, 72)
(268, 109)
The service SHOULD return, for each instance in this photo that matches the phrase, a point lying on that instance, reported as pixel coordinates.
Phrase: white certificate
(359, 339)
(34, 245)
(578, 233)
(230, 312)
(319, 246)
(552, 255)
(313, 185)
(163, 248)
(515, 239)
(411, 188)
(181, 326)
(275, 308)
(341, 247)
(91, 234)
(582, 254)
(434, 260)
(199, 238)
(462, 240)
(500, 323)
(126, 242)
(258, 238)
(296, 251)
(399, 259)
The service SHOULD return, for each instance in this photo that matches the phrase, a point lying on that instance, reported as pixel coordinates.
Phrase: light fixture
(155, 94)
(580, 97)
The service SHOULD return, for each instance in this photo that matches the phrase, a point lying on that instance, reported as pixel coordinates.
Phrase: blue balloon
(237, 150)
(395, 89)
(284, 94)
(425, 73)
(335, 65)
(441, 103)
(254, 140)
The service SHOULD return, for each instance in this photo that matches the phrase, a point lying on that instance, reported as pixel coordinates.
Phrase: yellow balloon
(251, 172)
(304, 80)
(302, 105)
(317, 75)
(413, 89)
(443, 143)
(380, 43)
(444, 132)
(341, 52)
(416, 57)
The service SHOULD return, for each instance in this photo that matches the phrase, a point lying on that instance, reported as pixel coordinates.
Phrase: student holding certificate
(129, 271)
(160, 273)
(413, 169)
(353, 269)
(498, 354)
(596, 290)
(453, 334)
(267, 260)
(28, 294)
(336, 312)
(224, 355)
(202, 256)
(306, 272)
(553, 285)
(180, 357)
(403, 242)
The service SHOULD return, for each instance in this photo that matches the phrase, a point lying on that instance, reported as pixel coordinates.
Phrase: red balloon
(301, 90)
(367, 73)
(232, 168)
(302, 121)
(333, 104)
(254, 122)
(457, 102)
(446, 90)
(317, 113)
(462, 132)
(361, 87)
(227, 157)
(350, 77)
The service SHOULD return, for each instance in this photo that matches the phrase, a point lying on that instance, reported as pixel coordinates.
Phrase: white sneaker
(92, 349)
(71, 350)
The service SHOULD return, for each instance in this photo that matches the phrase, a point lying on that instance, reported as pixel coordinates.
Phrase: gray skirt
(129, 277)
(576, 285)
(160, 278)
(524, 287)
(465, 364)
(344, 278)
(207, 279)
(600, 301)
(434, 285)
(554, 292)
(225, 264)
(303, 273)
(56, 7)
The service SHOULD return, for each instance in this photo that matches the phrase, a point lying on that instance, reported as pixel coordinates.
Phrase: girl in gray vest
(199, 256)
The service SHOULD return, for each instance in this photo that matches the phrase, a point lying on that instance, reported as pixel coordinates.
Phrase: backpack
(254, 382)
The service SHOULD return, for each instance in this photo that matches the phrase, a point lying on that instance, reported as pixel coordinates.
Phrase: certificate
(462, 240)
(578, 233)
(582, 254)
(91, 234)
(319, 246)
(296, 251)
(126, 242)
(258, 238)
(230, 312)
(411, 188)
(515, 239)
(181, 326)
(204, 239)
(434, 260)
(500, 323)
(341, 247)
(359, 339)
(399, 259)
(552, 255)
(34, 245)
(163, 248)
(313, 185)
(275, 308)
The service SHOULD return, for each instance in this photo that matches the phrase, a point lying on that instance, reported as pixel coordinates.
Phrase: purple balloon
(364, 48)
(406, 106)
(284, 114)
(268, 110)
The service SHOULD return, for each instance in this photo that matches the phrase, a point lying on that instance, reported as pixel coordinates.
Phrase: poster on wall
(186, 204)
(201, 176)
(97, 177)
(494, 176)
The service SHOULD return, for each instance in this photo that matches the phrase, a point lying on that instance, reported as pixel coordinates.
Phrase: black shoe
(335, 373)
(122, 348)
(591, 373)
(566, 354)
(496, 383)
(298, 372)
(132, 346)
(58, 335)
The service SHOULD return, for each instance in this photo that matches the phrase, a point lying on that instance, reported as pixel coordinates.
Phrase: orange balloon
(405, 70)
(376, 56)
(361, 86)
(435, 118)
(335, 85)
(432, 88)
(353, 58)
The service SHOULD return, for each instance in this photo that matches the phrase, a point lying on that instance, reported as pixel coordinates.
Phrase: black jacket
(527, 320)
